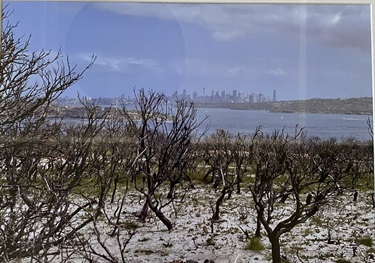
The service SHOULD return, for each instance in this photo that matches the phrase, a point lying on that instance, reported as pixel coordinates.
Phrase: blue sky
(301, 51)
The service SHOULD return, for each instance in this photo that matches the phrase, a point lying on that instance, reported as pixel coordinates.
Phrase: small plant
(144, 251)
(164, 253)
(129, 225)
(341, 260)
(210, 241)
(254, 244)
(168, 244)
(307, 232)
(145, 239)
(366, 241)
(197, 176)
(326, 256)
(317, 221)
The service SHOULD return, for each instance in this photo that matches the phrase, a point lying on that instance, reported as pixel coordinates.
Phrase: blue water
(325, 126)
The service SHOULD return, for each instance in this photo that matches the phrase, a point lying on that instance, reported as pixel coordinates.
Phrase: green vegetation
(322, 106)
(210, 241)
(340, 260)
(129, 225)
(360, 106)
(254, 244)
(366, 241)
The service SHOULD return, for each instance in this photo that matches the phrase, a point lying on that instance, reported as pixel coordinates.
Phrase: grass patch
(254, 244)
(317, 220)
(210, 241)
(197, 176)
(326, 256)
(144, 251)
(145, 239)
(340, 260)
(366, 241)
(307, 231)
(129, 225)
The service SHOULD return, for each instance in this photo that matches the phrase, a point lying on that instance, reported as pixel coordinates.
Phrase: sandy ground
(197, 239)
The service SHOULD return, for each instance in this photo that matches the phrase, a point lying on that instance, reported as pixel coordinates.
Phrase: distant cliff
(362, 106)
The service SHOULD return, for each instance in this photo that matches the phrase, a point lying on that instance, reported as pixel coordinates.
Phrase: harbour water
(324, 126)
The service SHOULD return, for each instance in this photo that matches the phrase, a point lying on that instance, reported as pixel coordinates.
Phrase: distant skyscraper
(241, 96)
(261, 97)
(274, 95)
(234, 95)
(195, 95)
(252, 98)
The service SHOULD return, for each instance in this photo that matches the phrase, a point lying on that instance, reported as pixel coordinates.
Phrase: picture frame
(369, 3)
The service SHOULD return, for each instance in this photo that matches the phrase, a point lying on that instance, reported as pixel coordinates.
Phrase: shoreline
(352, 106)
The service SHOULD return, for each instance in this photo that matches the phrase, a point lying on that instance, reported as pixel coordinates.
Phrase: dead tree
(39, 168)
(218, 149)
(308, 171)
(166, 136)
(268, 155)
(241, 159)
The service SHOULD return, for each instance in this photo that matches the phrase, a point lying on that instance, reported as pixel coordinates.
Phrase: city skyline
(301, 51)
(234, 96)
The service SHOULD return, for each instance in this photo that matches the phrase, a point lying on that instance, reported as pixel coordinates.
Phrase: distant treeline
(362, 106)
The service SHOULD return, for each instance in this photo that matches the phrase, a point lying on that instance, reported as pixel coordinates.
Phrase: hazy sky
(301, 51)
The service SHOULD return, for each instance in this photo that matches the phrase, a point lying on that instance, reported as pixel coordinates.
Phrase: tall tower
(274, 95)
(235, 95)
